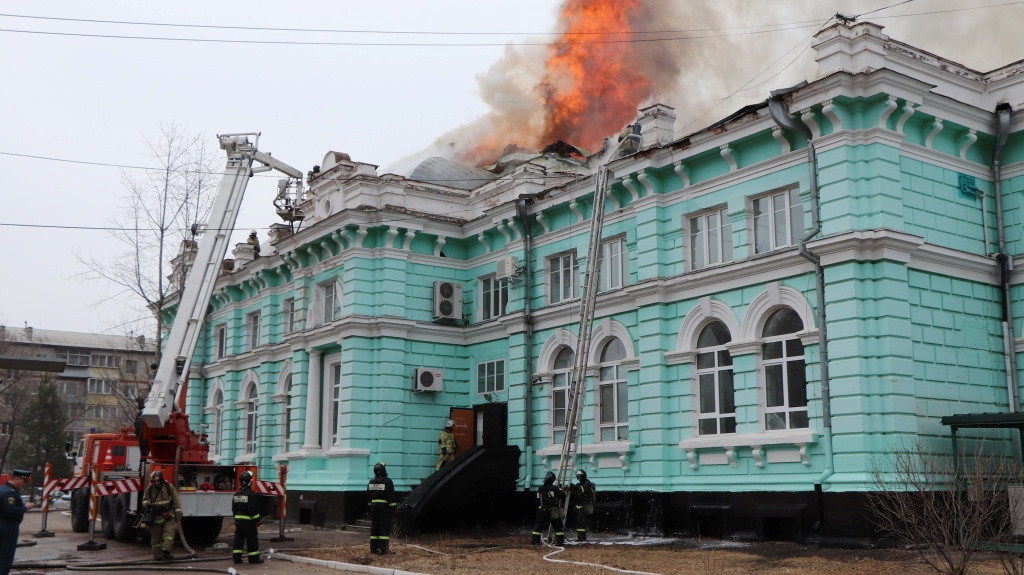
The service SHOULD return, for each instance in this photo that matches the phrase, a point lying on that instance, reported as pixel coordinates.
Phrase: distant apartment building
(100, 387)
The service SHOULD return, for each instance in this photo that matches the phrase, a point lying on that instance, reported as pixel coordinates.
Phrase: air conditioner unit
(429, 379)
(506, 267)
(447, 301)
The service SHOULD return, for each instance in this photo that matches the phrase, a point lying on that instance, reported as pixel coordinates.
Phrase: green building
(725, 255)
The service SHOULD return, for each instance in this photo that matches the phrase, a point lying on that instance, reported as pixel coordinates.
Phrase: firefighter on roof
(381, 493)
(255, 243)
(163, 511)
(245, 506)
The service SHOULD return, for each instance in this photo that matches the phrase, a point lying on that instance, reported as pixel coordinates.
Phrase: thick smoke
(711, 58)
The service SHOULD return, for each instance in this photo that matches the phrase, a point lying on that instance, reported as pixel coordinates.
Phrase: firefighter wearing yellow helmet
(446, 445)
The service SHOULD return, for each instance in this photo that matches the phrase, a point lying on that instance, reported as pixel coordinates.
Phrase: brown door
(465, 429)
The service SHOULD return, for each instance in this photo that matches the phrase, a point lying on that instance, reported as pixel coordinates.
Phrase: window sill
(755, 441)
(247, 458)
(593, 451)
(336, 451)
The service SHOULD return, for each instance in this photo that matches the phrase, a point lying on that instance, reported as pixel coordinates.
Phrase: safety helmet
(157, 475)
(549, 478)
(380, 470)
(450, 423)
(245, 478)
(581, 475)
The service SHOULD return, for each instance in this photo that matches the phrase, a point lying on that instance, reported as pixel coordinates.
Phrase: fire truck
(162, 439)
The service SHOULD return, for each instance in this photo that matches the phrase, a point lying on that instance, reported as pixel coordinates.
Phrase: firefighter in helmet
(163, 512)
(245, 506)
(381, 494)
(582, 497)
(254, 241)
(446, 445)
(549, 511)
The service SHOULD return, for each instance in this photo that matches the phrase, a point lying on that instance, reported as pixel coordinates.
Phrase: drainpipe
(1005, 261)
(527, 334)
(780, 113)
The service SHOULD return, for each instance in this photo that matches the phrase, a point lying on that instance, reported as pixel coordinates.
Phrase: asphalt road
(62, 548)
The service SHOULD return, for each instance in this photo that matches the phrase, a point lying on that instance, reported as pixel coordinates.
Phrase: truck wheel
(119, 516)
(106, 517)
(201, 530)
(80, 510)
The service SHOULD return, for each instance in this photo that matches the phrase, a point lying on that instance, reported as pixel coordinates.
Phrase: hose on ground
(558, 550)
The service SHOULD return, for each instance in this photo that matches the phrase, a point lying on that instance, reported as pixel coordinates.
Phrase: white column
(311, 441)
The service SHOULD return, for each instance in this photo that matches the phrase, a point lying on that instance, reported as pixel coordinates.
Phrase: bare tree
(947, 510)
(157, 213)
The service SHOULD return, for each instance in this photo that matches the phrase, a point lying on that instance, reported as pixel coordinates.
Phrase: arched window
(215, 420)
(286, 415)
(562, 372)
(613, 418)
(250, 419)
(717, 407)
(785, 378)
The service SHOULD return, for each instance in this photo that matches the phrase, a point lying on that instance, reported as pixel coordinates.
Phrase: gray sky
(92, 99)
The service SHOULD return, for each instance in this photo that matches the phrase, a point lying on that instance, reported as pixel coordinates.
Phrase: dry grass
(504, 554)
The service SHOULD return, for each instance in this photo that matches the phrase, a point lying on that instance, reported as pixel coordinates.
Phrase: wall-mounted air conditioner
(447, 300)
(429, 379)
(507, 267)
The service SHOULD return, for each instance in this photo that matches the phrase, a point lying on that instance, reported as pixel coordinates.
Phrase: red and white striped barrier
(65, 483)
(268, 488)
(116, 486)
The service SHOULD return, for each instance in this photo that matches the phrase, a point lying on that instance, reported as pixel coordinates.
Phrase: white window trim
(330, 437)
(752, 219)
(216, 412)
(253, 339)
(762, 387)
(621, 275)
(729, 442)
(499, 289)
(724, 239)
(220, 337)
(573, 277)
(288, 316)
(504, 376)
(717, 415)
(243, 405)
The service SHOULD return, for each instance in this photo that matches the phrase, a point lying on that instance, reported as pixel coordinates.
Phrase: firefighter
(549, 510)
(12, 511)
(381, 493)
(245, 506)
(446, 445)
(582, 498)
(163, 511)
(255, 243)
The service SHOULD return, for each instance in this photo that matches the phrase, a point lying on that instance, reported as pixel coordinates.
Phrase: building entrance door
(465, 428)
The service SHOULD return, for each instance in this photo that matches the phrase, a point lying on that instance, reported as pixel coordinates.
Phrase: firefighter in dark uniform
(245, 506)
(549, 510)
(12, 511)
(381, 493)
(582, 498)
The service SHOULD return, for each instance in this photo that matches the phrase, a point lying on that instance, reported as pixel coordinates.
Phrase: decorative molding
(936, 128)
(807, 117)
(575, 209)
(829, 110)
(483, 241)
(683, 172)
(773, 297)
(780, 137)
(556, 341)
(890, 106)
(439, 245)
(702, 314)
(646, 181)
(757, 452)
(409, 235)
(969, 139)
(726, 151)
(604, 331)
(908, 111)
(543, 223)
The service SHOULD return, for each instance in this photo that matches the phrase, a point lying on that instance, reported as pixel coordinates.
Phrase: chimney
(279, 232)
(243, 253)
(28, 331)
(657, 125)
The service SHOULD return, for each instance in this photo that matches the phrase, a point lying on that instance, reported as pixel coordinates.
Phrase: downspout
(527, 335)
(780, 113)
(1005, 261)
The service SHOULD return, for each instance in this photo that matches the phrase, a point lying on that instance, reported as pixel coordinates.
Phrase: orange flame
(592, 83)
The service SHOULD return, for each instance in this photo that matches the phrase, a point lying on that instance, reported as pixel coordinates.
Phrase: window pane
(728, 424)
(697, 243)
(724, 358)
(726, 238)
(623, 402)
(771, 350)
(726, 396)
(606, 400)
(623, 433)
(559, 436)
(794, 348)
(783, 321)
(796, 214)
(713, 239)
(775, 421)
(713, 334)
(614, 351)
(774, 395)
(564, 358)
(798, 419)
(797, 384)
(607, 373)
(608, 434)
(705, 360)
(707, 393)
(707, 426)
(762, 229)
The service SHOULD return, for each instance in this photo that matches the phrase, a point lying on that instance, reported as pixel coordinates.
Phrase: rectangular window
(101, 386)
(288, 313)
(252, 330)
(335, 400)
(490, 376)
(222, 341)
(710, 239)
(559, 405)
(563, 270)
(613, 264)
(612, 406)
(331, 303)
(75, 357)
(103, 360)
(493, 297)
(778, 220)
